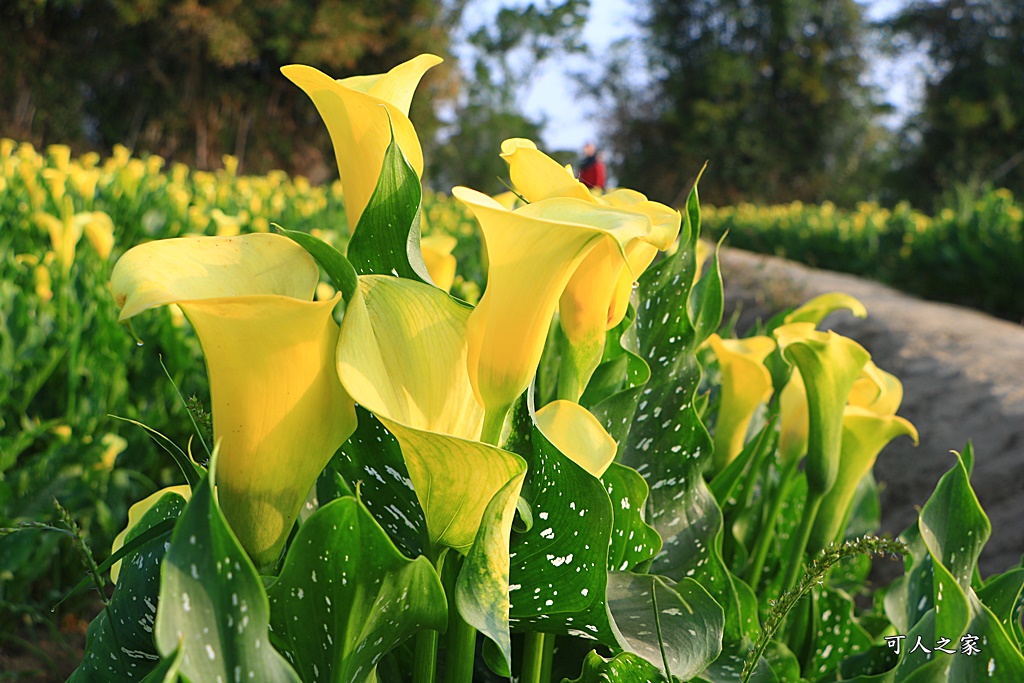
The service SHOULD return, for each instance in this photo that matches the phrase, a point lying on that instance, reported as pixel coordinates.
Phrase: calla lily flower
(402, 354)
(360, 113)
(533, 252)
(597, 295)
(279, 410)
(577, 434)
(829, 364)
(865, 434)
(746, 384)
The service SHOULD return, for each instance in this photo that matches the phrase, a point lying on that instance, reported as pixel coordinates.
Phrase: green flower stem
(537, 655)
(494, 423)
(425, 662)
(461, 651)
(796, 555)
(767, 532)
(577, 366)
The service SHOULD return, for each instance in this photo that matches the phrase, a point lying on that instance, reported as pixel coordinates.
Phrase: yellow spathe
(596, 297)
(438, 258)
(746, 384)
(360, 112)
(533, 251)
(577, 434)
(402, 355)
(279, 410)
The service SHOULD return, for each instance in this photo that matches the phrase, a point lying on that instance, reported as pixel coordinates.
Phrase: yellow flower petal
(533, 252)
(279, 410)
(99, 230)
(402, 355)
(537, 176)
(360, 113)
(577, 434)
(746, 384)
(437, 256)
(865, 434)
(193, 268)
(815, 310)
(877, 390)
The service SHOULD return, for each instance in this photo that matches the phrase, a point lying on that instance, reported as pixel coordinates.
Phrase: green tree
(770, 92)
(970, 130)
(502, 56)
(194, 80)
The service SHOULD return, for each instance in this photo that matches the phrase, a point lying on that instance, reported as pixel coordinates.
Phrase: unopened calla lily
(360, 113)
(279, 410)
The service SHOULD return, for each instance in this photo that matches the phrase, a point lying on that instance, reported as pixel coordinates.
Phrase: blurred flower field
(952, 257)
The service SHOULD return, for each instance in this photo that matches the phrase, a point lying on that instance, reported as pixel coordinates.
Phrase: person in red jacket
(592, 170)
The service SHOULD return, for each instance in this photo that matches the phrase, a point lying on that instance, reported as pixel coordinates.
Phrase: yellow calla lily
(865, 434)
(877, 391)
(597, 295)
(793, 419)
(533, 252)
(577, 434)
(402, 355)
(360, 113)
(437, 256)
(279, 410)
(746, 384)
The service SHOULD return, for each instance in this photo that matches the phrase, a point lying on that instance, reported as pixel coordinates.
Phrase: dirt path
(963, 379)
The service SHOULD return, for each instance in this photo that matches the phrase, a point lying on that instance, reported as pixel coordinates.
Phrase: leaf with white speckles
(386, 240)
(633, 541)
(346, 595)
(838, 634)
(212, 602)
(558, 566)
(673, 625)
(373, 459)
(623, 668)
(1004, 595)
(125, 650)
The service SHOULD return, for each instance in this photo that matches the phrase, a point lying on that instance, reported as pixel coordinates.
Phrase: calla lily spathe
(596, 297)
(360, 113)
(279, 410)
(746, 384)
(533, 252)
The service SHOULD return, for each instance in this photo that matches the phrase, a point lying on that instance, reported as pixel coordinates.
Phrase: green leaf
(999, 658)
(953, 525)
(1004, 595)
(167, 670)
(346, 595)
(707, 300)
(337, 267)
(482, 589)
(123, 649)
(212, 602)
(386, 240)
(558, 566)
(837, 633)
(673, 625)
(633, 541)
(373, 459)
(622, 668)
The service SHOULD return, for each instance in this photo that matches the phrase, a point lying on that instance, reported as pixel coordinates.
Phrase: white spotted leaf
(346, 595)
(124, 649)
(212, 602)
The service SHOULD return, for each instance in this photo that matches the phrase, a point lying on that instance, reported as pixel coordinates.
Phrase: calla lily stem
(537, 656)
(764, 537)
(803, 533)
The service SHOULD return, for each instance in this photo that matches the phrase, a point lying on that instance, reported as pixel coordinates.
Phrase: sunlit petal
(746, 384)
(577, 434)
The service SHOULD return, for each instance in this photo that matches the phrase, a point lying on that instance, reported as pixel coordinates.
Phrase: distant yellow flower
(437, 256)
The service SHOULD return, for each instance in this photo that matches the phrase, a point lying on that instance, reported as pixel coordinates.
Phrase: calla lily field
(574, 470)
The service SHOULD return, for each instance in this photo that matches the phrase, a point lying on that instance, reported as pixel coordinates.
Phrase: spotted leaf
(346, 595)
(123, 649)
(212, 603)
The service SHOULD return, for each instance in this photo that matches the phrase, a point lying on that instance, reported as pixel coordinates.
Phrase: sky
(552, 95)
